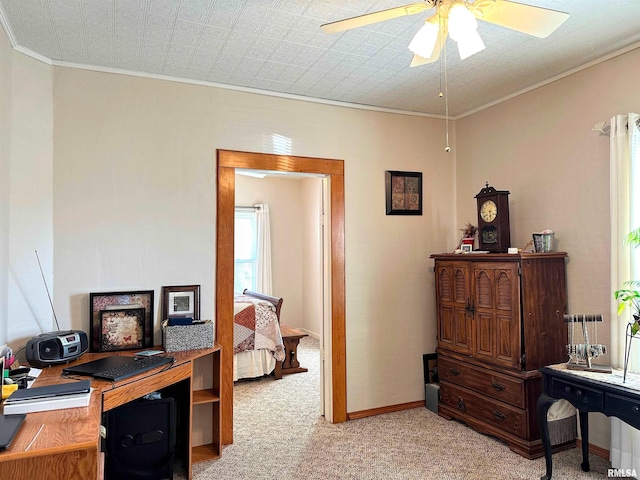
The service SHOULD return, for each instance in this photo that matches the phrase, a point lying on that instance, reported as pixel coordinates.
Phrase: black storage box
(141, 438)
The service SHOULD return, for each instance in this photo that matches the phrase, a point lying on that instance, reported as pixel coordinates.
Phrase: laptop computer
(97, 366)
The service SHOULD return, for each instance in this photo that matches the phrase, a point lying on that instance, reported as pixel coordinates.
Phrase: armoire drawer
(503, 416)
(496, 385)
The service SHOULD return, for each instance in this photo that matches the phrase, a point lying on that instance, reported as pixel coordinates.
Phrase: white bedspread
(253, 364)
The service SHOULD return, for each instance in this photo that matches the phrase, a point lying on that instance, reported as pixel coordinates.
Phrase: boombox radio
(56, 347)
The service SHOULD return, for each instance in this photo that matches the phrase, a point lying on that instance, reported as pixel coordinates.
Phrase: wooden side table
(291, 338)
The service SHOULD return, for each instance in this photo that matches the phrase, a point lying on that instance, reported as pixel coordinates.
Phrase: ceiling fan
(457, 18)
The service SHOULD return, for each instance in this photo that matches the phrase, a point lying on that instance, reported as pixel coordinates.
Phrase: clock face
(488, 211)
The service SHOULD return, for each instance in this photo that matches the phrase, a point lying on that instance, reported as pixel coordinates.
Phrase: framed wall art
(181, 301)
(122, 329)
(403, 192)
(119, 300)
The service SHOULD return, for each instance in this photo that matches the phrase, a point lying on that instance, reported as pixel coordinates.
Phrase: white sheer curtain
(263, 257)
(625, 217)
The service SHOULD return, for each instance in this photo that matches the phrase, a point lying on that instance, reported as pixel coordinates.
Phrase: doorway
(227, 162)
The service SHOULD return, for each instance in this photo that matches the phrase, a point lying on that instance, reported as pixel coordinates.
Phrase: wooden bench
(291, 338)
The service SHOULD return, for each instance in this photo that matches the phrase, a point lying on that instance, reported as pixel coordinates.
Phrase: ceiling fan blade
(376, 17)
(536, 21)
(417, 60)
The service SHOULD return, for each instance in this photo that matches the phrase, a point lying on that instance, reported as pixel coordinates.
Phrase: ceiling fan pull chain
(447, 148)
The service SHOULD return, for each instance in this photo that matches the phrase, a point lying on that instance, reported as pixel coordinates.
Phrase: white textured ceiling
(277, 46)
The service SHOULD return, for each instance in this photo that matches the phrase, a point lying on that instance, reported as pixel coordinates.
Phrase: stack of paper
(53, 397)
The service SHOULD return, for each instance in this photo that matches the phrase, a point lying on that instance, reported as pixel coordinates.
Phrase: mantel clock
(493, 220)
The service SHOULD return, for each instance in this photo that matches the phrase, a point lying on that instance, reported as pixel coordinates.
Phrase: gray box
(187, 337)
(432, 396)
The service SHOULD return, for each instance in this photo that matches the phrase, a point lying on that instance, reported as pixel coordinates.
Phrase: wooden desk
(68, 446)
(588, 392)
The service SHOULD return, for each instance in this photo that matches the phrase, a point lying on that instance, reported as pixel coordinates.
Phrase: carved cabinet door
(496, 313)
(453, 302)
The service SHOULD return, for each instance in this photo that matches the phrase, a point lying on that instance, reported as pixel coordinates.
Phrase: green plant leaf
(630, 296)
(621, 308)
(633, 238)
(632, 283)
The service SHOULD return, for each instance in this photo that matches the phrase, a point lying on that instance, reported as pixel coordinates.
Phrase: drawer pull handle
(579, 393)
(636, 409)
(499, 415)
(497, 386)
(454, 372)
(567, 389)
(461, 404)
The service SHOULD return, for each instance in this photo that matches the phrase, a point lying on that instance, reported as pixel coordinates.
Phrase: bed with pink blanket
(257, 341)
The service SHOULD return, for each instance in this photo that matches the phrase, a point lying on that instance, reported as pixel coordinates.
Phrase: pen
(34, 437)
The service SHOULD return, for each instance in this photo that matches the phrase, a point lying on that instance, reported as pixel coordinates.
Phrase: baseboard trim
(596, 450)
(388, 409)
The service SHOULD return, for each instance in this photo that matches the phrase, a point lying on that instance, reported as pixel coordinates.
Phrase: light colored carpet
(279, 435)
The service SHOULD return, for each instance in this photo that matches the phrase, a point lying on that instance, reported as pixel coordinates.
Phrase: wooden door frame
(227, 162)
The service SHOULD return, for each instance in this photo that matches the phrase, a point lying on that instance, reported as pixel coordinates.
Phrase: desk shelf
(205, 408)
(205, 396)
(202, 453)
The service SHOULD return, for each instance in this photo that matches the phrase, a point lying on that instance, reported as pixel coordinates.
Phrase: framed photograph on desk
(181, 301)
(122, 329)
(115, 300)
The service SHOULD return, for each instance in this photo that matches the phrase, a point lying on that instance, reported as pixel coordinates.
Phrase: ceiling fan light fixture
(425, 40)
(463, 28)
(461, 21)
(470, 44)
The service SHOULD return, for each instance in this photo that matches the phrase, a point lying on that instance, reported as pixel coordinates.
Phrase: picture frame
(430, 366)
(122, 329)
(181, 301)
(466, 248)
(403, 192)
(117, 300)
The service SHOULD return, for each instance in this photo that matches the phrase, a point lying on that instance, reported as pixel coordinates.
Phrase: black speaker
(49, 350)
(56, 347)
(141, 439)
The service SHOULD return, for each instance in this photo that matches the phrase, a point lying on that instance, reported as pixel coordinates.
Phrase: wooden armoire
(500, 319)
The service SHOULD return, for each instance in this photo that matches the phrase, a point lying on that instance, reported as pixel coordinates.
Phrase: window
(245, 241)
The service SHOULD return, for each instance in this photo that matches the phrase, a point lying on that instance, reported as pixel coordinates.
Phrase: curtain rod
(248, 207)
(602, 127)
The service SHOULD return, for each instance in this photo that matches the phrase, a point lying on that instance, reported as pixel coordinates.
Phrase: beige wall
(284, 195)
(26, 196)
(540, 147)
(294, 205)
(312, 257)
(5, 168)
(134, 198)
